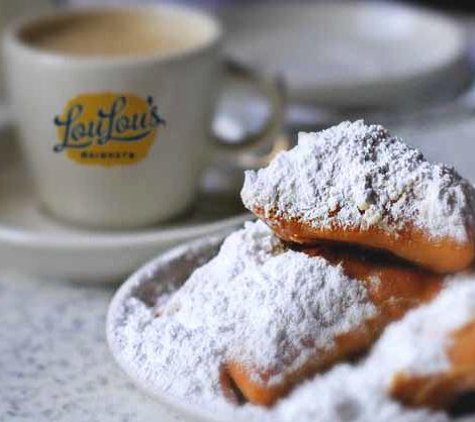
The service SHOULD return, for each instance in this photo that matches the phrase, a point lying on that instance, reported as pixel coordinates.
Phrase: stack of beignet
(343, 193)
(366, 205)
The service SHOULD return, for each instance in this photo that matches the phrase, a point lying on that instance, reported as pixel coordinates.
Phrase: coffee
(111, 33)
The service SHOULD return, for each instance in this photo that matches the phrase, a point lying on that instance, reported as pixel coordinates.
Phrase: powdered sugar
(255, 302)
(359, 175)
(346, 394)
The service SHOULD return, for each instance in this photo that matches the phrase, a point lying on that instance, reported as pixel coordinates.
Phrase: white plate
(348, 54)
(171, 268)
(163, 273)
(33, 242)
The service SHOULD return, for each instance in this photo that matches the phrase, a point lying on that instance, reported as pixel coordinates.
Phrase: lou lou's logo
(107, 129)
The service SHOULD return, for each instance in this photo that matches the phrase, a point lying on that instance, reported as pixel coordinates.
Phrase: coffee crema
(111, 33)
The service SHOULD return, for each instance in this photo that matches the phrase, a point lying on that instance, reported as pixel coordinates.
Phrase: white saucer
(167, 271)
(32, 242)
(351, 54)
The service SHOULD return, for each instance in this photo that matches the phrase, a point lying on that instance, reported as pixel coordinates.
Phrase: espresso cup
(114, 106)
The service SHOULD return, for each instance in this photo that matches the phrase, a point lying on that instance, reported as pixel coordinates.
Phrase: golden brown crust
(442, 255)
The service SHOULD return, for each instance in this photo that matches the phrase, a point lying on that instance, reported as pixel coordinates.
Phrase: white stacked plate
(351, 54)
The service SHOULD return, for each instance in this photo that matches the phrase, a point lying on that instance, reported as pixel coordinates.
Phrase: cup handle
(272, 88)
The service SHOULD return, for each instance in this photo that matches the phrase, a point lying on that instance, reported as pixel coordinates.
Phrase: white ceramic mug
(120, 140)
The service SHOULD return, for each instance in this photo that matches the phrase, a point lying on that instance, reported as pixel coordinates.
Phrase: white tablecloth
(54, 362)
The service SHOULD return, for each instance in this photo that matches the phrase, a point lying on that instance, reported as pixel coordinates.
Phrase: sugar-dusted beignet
(439, 343)
(356, 183)
(390, 287)
(266, 308)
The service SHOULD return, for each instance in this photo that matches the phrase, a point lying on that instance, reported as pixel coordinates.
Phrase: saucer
(32, 242)
(351, 54)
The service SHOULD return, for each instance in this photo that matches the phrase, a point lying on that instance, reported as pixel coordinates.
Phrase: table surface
(54, 362)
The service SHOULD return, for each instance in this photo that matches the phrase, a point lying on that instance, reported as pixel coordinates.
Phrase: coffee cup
(114, 107)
